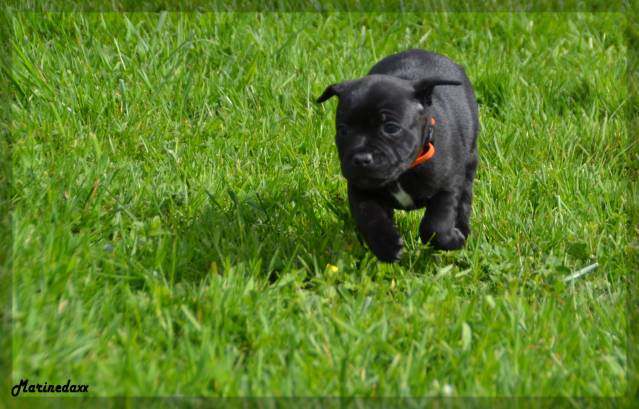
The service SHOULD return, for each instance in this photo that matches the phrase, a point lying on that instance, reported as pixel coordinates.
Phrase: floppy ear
(424, 88)
(333, 89)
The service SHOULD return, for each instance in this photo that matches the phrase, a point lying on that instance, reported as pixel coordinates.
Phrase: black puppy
(406, 137)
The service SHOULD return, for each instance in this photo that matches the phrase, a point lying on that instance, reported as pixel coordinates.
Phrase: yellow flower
(332, 268)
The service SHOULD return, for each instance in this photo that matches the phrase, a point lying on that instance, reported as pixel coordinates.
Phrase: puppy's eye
(391, 128)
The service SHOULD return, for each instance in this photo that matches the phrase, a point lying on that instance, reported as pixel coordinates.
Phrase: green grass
(178, 199)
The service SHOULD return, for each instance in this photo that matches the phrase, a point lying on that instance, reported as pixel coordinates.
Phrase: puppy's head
(380, 123)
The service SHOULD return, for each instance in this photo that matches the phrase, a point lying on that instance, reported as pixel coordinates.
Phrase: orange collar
(429, 151)
(426, 154)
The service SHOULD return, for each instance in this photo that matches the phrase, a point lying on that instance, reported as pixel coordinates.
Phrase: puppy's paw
(453, 239)
(387, 249)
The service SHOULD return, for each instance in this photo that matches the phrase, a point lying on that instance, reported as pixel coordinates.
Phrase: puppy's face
(379, 126)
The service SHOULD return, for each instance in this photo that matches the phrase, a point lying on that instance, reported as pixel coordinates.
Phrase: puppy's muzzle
(363, 160)
(367, 169)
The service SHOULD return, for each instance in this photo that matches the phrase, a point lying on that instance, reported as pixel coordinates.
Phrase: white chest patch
(403, 198)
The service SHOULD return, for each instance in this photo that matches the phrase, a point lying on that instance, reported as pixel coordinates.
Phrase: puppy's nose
(362, 159)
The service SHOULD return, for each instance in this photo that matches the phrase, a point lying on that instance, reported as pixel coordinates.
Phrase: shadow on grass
(267, 233)
(270, 232)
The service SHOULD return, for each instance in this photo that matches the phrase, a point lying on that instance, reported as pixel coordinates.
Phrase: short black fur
(382, 121)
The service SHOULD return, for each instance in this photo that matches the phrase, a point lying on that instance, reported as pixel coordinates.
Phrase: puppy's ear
(333, 89)
(424, 88)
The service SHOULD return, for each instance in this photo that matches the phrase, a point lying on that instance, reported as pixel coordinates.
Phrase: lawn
(181, 225)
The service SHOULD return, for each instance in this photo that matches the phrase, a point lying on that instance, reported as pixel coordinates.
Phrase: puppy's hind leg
(466, 200)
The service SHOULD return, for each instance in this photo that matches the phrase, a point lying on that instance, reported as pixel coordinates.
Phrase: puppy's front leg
(438, 223)
(375, 222)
